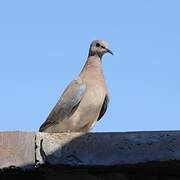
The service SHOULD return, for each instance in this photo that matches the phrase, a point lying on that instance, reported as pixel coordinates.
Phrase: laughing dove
(85, 100)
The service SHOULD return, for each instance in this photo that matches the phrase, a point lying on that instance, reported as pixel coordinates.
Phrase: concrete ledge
(17, 149)
(152, 152)
(107, 149)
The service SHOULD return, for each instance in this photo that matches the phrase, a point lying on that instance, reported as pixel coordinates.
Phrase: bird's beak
(109, 51)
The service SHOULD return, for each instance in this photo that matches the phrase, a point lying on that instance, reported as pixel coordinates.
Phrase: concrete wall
(126, 156)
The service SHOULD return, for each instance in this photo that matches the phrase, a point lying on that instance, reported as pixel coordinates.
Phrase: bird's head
(99, 48)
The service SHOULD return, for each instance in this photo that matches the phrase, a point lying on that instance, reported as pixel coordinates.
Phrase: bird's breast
(88, 110)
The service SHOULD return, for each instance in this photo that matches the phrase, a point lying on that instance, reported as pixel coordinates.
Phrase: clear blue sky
(44, 44)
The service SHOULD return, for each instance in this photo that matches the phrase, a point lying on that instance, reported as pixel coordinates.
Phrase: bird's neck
(92, 67)
(95, 54)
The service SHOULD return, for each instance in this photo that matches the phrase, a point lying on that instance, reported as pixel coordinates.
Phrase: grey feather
(104, 107)
(68, 102)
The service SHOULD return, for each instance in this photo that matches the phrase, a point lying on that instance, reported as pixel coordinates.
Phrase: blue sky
(44, 44)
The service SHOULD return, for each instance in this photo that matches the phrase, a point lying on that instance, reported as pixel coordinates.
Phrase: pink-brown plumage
(85, 100)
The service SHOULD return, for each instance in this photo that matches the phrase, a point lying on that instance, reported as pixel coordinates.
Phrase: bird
(85, 100)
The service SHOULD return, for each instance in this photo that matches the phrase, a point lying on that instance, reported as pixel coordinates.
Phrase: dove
(85, 99)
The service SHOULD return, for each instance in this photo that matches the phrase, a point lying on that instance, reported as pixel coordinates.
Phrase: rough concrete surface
(108, 149)
(126, 156)
(17, 150)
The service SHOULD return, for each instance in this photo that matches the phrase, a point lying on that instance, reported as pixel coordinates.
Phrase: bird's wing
(104, 107)
(67, 104)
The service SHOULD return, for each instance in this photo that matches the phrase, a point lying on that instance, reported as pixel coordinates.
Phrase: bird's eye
(97, 45)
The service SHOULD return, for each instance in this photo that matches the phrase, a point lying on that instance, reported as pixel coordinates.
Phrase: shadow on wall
(108, 149)
(126, 156)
